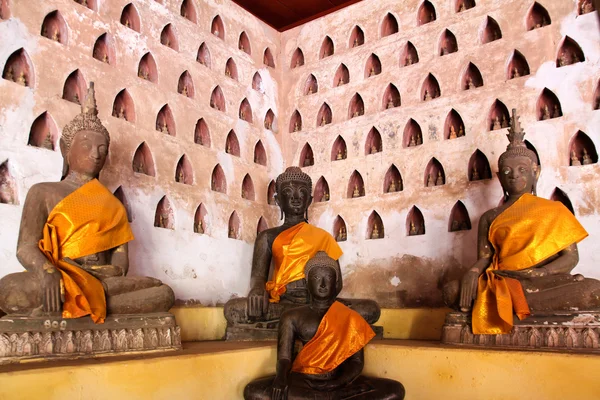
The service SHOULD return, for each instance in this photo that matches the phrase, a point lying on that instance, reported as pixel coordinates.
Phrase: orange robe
(88, 221)
(292, 249)
(528, 232)
(341, 333)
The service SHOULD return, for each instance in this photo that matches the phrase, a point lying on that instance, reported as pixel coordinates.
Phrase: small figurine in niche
(179, 177)
(427, 96)
(121, 114)
(374, 149)
(325, 197)
(462, 7)
(496, 123)
(470, 84)
(232, 233)
(546, 113)
(198, 227)
(228, 72)
(355, 42)
(216, 32)
(56, 35)
(105, 58)
(413, 141)
(356, 192)
(9, 75)
(323, 121)
(419, 139)
(76, 98)
(340, 82)
(228, 149)
(268, 124)
(392, 188)
(143, 72)
(185, 91)
(163, 219)
(308, 161)
(430, 180)
(375, 232)
(296, 126)
(21, 80)
(356, 114)
(298, 63)
(556, 113)
(587, 160)
(413, 229)
(212, 103)
(475, 174)
(242, 114)
(461, 131)
(516, 73)
(372, 71)
(452, 132)
(575, 162)
(242, 46)
(505, 122)
(139, 166)
(48, 142)
(340, 235)
(165, 128)
(440, 179)
(390, 103)
(127, 23)
(455, 226)
(310, 89)
(340, 155)
(409, 60)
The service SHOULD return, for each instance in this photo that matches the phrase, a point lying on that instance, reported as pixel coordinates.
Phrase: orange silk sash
(292, 249)
(528, 232)
(87, 221)
(342, 332)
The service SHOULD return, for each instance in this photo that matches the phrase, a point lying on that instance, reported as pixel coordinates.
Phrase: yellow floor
(220, 370)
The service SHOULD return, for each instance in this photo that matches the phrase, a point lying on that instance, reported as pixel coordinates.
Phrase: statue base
(579, 332)
(49, 338)
(261, 331)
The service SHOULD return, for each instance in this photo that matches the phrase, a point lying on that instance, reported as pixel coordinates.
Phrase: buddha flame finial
(516, 134)
(89, 106)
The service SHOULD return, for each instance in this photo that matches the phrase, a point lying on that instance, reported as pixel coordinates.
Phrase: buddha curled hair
(517, 147)
(293, 174)
(322, 259)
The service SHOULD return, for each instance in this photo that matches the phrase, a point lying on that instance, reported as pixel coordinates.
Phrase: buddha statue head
(518, 168)
(323, 277)
(84, 141)
(293, 193)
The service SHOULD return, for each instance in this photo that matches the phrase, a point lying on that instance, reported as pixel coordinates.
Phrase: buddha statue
(374, 149)
(344, 233)
(427, 96)
(355, 44)
(323, 120)
(216, 32)
(128, 23)
(333, 337)
(22, 80)
(179, 177)
(296, 126)
(372, 71)
(232, 233)
(546, 112)
(289, 247)
(375, 233)
(185, 91)
(470, 84)
(413, 229)
(452, 132)
(56, 35)
(356, 114)
(340, 155)
(73, 240)
(527, 248)
(392, 187)
(340, 236)
(9, 74)
(198, 227)
(575, 162)
(556, 113)
(409, 60)
(227, 72)
(516, 73)
(48, 142)
(461, 131)
(390, 103)
(430, 182)
(419, 139)
(308, 160)
(496, 124)
(310, 89)
(440, 179)
(356, 192)
(413, 141)
(164, 128)
(455, 227)
(298, 64)
(505, 122)
(587, 160)
(475, 174)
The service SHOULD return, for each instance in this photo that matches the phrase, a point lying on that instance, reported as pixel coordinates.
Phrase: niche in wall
(342, 76)
(340, 232)
(569, 53)
(307, 157)
(248, 188)
(548, 106)
(479, 167)
(517, 66)
(409, 55)
(261, 226)
(322, 193)
(373, 66)
(297, 59)
(123, 106)
(585, 6)
(271, 193)
(415, 223)
(244, 43)
(356, 107)
(217, 99)
(104, 49)
(260, 155)
(392, 182)
(426, 13)
(559, 195)
(185, 86)
(43, 132)
(356, 186)
(75, 88)
(373, 144)
(257, 83)
(120, 195)
(491, 32)
(357, 37)
(19, 69)
(201, 220)
(184, 172)
(169, 38)
(453, 126)
(582, 150)
(147, 68)
(217, 28)
(537, 17)
(472, 77)
(232, 145)
(447, 43)
(55, 28)
(233, 231)
(339, 150)
(434, 174)
(327, 48)
(463, 5)
(296, 122)
(391, 97)
(165, 122)
(412, 136)
(459, 218)
(164, 216)
(203, 56)
(375, 228)
(143, 162)
(245, 111)
(268, 58)
(130, 17)
(231, 70)
(389, 26)
(202, 133)
(188, 11)
(498, 117)
(430, 88)
(324, 115)
(218, 182)
(311, 86)
(270, 120)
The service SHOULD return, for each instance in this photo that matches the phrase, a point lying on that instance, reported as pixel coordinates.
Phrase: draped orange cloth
(88, 221)
(341, 333)
(292, 249)
(528, 232)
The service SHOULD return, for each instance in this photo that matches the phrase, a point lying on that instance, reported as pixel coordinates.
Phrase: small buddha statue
(227, 72)
(48, 142)
(268, 124)
(455, 226)
(326, 196)
(356, 44)
(496, 124)
(340, 155)
(298, 64)
(198, 227)
(356, 192)
(392, 187)
(413, 229)
(232, 233)
(296, 126)
(390, 103)
(179, 177)
(163, 220)
(556, 113)
(427, 96)
(505, 122)
(563, 59)
(143, 73)
(545, 112)
(419, 138)
(9, 74)
(121, 113)
(587, 160)
(167, 42)
(56, 35)
(355, 114)
(475, 174)
(216, 32)
(452, 132)
(128, 23)
(409, 59)
(339, 237)
(413, 141)
(372, 71)
(21, 80)
(164, 128)
(228, 149)
(440, 179)
(310, 89)
(444, 50)
(461, 131)
(323, 121)
(462, 7)
(516, 73)
(76, 98)
(212, 103)
(470, 83)
(375, 232)
(374, 149)
(308, 161)
(139, 166)
(242, 46)
(242, 114)
(575, 162)
(430, 182)
(185, 91)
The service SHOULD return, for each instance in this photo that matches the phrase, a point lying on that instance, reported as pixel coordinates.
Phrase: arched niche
(257, 83)
(248, 188)
(311, 85)
(491, 31)
(231, 69)
(217, 28)
(582, 150)
(104, 49)
(43, 132)
(392, 182)
(434, 174)
(596, 100)
(244, 43)
(169, 38)
(356, 186)
(327, 48)
(373, 66)
(569, 53)
(123, 106)
(373, 144)
(296, 122)
(447, 43)
(143, 162)
(357, 37)
(232, 144)
(498, 117)
(463, 5)
(479, 167)
(459, 218)
(471, 77)
(8, 185)
(188, 11)
(415, 223)
(260, 155)
(548, 106)
(517, 65)
(322, 193)
(165, 122)
(342, 76)
(75, 88)
(561, 196)
(389, 25)
(4, 9)
(391, 97)
(426, 13)
(339, 150)
(430, 88)
(297, 59)
(184, 172)
(268, 58)
(19, 69)
(202, 133)
(54, 28)
(261, 226)
(375, 228)
(356, 108)
(203, 56)
(164, 216)
(532, 148)
(130, 17)
(324, 116)
(454, 126)
(412, 136)
(271, 193)
(307, 157)
(217, 99)
(409, 55)
(186, 85)
(537, 17)
(120, 195)
(339, 229)
(585, 7)
(269, 122)
(201, 220)
(234, 227)
(218, 182)
(147, 68)
(245, 111)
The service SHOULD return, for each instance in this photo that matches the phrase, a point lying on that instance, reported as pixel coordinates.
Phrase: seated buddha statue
(289, 247)
(527, 248)
(333, 337)
(73, 240)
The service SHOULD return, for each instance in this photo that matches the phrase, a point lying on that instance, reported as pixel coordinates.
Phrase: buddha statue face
(87, 153)
(518, 175)
(294, 198)
(321, 283)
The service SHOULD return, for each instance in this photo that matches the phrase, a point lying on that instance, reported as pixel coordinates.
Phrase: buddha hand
(468, 289)
(257, 302)
(280, 388)
(53, 289)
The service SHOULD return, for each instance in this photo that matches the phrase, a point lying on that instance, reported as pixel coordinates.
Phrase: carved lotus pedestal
(577, 332)
(260, 331)
(27, 338)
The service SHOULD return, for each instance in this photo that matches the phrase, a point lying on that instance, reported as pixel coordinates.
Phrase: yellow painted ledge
(208, 323)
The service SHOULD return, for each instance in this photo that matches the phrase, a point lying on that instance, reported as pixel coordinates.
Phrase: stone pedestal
(268, 331)
(578, 331)
(26, 338)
